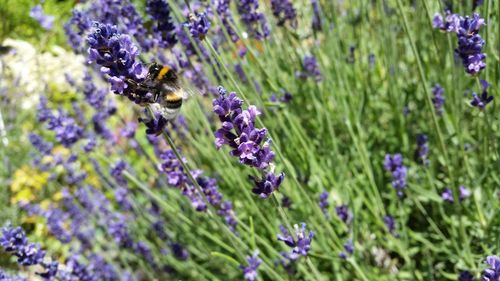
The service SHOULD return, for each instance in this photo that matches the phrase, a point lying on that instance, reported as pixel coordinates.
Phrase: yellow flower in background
(26, 183)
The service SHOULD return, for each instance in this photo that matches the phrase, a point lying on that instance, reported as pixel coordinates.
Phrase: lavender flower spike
(470, 43)
(248, 143)
(14, 241)
(117, 56)
(394, 164)
(301, 244)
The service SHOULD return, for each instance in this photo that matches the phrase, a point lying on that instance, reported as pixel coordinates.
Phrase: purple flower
(195, 197)
(343, 213)
(116, 172)
(163, 28)
(43, 147)
(117, 56)
(464, 192)
(198, 25)
(179, 251)
(82, 23)
(316, 18)
(222, 8)
(480, 101)
(438, 99)
(394, 164)
(156, 125)
(14, 241)
(311, 69)
(66, 129)
(323, 202)
(301, 244)
(492, 273)
(451, 22)
(422, 149)
(286, 202)
(144, 250)
(470, 43)
(45, 21)
(118, 229)
(284, 11)
(349, 249)
(247, 142)
(250, 271)
(267, 185)
(238, 131)
(465, 276)
(390, 224)
(94, 97)
(173, 169)
(447, 195)
(226, 210)
(252, 18)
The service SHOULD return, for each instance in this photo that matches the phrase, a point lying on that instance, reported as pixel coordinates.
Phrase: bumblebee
(161, 88)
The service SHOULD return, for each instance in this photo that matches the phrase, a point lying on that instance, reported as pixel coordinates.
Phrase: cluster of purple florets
(177, 177)
(66, 128)
(343, 213)
(13, 240)
(394, 165)
(117, 56)
(470, 43)
(248, 143)
(198, 25)
(323, 202)
(284, 11)
(163, 28)
(300, 242)
(252, 18)
(310, 69)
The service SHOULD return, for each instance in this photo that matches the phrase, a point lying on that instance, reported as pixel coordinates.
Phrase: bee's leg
(139, 86)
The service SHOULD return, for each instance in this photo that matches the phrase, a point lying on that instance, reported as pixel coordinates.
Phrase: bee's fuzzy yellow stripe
(173, 97)
(164, 70)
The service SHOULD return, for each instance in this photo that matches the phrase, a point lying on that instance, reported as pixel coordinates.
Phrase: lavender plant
(322, 92)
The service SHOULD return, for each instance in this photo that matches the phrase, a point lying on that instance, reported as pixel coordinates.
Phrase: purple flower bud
(447, 195)
(480, 101)
(250, 271)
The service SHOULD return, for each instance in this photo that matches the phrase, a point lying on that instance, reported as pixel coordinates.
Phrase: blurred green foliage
(16, 22)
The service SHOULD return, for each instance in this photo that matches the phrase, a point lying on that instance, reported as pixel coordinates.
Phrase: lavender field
(249, 140)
